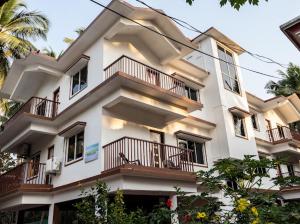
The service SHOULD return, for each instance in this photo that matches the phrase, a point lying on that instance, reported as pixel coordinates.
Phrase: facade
(292, 30)
(136, 110)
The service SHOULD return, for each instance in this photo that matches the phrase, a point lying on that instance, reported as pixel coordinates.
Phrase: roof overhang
(292, 30)
(220, 37)
(96, 30)
(238, 111)
(192, 136)
(289, 106)
(189, 68)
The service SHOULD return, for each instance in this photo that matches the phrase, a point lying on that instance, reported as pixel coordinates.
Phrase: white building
(121, 103)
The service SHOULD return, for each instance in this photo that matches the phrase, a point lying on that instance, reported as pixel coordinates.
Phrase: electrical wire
(190, 27)
(181, 43)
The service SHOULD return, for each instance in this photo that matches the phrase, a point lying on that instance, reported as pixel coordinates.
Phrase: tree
(234, 3)
(17, 28)
(78, 31)
(239, 181)
(50, 52)
(97, 208)
(289, 83)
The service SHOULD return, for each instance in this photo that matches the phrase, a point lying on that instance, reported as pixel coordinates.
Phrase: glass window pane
(199, 153)
(75, 83)
(71, 148)
(235, 86)
(83, 78)
(224, 68)
(79, 145)
(232, 71)
(227, 82)
(193, 94)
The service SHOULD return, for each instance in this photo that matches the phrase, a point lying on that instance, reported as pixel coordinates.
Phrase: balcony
(291, 174)
(282, 134)
(149, 75)
(136, 157)
(142, 90)
(32, 120)
(28, 177)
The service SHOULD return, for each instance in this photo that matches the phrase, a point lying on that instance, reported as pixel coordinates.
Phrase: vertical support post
(51, 214)
(174, 218)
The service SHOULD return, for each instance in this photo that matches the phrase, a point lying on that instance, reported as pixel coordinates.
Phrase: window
(232, 184)
(254, 121)
(191, 93)
(239, 125)
(75, 146)
(33, 167)
(291, 171)
(79, 81)
(261, 170)
(41, 108)
(198, 154)
(229, 73)
(280, 131)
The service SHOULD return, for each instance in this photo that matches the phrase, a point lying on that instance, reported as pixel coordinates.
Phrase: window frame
(256, 121)
(226, 51)
(75, 147)
(244, 125)
(204, 154)
(188, 89)
(79, 80)
(32, 170)
(261, 170)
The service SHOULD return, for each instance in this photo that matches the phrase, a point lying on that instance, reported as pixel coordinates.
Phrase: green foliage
(96, 208)
(6, 162)
(289, 83)
(246, 204)
(17, 27)
(78, 31)
(234, 3)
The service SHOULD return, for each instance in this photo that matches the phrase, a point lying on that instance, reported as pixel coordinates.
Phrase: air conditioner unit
(53, 166)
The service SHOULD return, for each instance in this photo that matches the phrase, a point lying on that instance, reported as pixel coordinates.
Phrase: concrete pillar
(51, 214)
(174, 219)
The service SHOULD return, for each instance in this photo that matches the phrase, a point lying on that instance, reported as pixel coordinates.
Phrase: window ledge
(240, 136)
(75, 94)
(73, 161)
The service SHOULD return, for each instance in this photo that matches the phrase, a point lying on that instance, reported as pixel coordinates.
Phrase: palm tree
(50, 52)
(17, 27)
(79, 31)
(289, 84)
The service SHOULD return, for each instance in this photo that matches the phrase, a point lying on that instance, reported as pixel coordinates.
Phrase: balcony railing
(147, 154)
(36, 106)
(291, 174)
(23, 174)
(147, 74)
(278, 135)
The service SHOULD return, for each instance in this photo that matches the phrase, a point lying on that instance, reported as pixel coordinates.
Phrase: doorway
(157, 152)
(55, 103)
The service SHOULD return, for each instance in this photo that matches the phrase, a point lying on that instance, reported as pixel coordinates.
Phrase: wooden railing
(36, 106)
(25, 173)
(146, 153)
(278, 135)
(147, 74)
(291, 174)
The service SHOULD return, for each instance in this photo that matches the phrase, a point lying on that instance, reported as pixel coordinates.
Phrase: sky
(255, 28)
